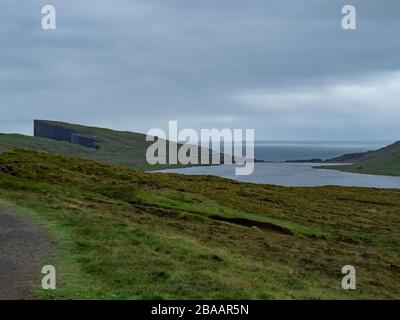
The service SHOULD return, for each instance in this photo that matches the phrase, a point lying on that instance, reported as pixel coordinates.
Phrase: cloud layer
(285, 68)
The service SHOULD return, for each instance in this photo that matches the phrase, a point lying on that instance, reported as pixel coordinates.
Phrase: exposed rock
(85, 140)
(395, 267)
(57, 132)
(5, 168)
(50, 131)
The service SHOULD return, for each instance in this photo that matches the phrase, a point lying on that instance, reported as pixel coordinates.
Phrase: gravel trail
(22, 247)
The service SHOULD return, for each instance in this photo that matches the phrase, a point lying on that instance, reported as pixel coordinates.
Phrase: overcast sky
(285, 68)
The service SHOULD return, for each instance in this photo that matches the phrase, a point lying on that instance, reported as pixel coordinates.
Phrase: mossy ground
(126, 234)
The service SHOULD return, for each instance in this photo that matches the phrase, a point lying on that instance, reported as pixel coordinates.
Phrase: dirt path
(22, 246)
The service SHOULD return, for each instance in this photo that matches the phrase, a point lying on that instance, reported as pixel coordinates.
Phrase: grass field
(126, 234)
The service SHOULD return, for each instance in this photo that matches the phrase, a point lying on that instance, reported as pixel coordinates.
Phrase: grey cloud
(134, 65)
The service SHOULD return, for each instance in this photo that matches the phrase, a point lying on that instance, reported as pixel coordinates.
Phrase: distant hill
(385, 161)
(105, 145)
(349, 157)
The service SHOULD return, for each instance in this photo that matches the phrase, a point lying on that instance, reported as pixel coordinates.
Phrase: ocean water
(295, 150)
(300, 174)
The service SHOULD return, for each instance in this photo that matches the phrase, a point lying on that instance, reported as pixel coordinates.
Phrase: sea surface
(277, 172)
(300, 150)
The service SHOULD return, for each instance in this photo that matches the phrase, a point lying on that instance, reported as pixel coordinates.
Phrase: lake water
(296, 175)
(300, 174)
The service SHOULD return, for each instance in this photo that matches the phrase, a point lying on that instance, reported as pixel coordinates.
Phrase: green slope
(123, 233)
(42, 144)
(117, 147)
(385, 161)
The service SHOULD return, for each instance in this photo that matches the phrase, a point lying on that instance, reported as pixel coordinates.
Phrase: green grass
(42, 144)
(125, 234)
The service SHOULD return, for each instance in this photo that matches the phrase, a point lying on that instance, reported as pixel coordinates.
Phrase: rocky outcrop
(5, 168)
(85, 140)
(53, 131)
(50, 131)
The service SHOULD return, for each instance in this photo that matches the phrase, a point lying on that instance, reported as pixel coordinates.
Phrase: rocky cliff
(53, 131)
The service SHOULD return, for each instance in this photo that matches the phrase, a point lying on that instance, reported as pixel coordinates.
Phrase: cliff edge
(44, 129)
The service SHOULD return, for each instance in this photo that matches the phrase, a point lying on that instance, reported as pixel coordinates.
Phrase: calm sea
(295, 150)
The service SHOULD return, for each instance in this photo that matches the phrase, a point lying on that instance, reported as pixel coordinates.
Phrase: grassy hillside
(385, 161)
(42, 144)
(123, 233)
(117, 147)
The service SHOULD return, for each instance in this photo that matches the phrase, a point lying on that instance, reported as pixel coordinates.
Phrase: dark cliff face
(85, 140)
(44, 130)
(56, 132)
